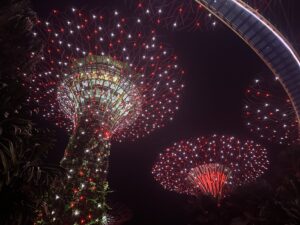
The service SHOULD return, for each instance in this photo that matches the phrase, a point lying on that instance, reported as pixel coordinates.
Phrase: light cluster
(103, 77)
(269, 113)
(176, 14)
(91, 55)
(213, 165)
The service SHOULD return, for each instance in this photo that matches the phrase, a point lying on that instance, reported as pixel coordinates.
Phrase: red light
(210, 179)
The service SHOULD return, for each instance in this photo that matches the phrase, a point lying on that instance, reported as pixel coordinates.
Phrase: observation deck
(270, 45)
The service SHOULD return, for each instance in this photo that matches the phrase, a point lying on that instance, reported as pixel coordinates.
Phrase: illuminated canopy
(210, 178)
(102, 88)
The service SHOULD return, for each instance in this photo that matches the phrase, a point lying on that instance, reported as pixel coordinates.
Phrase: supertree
(183, 14)
(103, 77)
(212, 166)
(269, 113)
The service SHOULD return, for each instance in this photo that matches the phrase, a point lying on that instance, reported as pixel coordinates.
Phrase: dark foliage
(25, 178)
(16, 42)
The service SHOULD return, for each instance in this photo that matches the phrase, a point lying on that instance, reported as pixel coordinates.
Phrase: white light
(76, 212)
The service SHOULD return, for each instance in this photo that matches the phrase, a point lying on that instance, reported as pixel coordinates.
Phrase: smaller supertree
(269, 113)
(212, 166)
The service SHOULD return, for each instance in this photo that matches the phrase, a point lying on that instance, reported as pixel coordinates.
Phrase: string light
(269, 113)
(174, 13)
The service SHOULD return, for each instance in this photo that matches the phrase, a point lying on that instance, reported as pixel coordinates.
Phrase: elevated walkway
(271, 46)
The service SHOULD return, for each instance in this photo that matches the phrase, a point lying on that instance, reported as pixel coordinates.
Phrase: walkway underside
(264, 39)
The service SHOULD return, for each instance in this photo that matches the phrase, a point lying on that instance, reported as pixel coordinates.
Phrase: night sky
(219, 66)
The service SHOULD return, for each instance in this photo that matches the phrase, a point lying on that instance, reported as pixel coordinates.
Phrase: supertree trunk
(82, 198)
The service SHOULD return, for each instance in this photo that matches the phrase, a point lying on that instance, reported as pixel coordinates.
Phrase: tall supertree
(269, 113)
(103, 77)
(184, 14)
(212, 166)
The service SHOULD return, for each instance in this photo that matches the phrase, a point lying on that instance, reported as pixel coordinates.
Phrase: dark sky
(219, 67)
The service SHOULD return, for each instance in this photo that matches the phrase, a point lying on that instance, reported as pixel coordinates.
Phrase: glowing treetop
(106, 68)
(211, 166)
(269, 113)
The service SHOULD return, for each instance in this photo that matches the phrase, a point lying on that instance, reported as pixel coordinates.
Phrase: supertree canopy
(269, 113)
(103, 77)
(213, 165)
